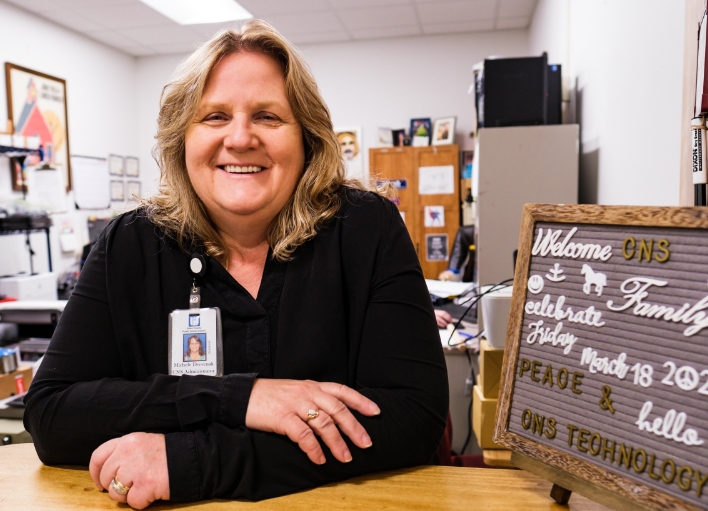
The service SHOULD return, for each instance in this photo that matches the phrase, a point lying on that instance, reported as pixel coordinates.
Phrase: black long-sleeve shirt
(350, 307)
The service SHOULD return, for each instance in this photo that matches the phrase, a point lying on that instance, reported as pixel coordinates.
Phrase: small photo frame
(420, 132)
(115, 165)
(400, 138)
(132, 166)
(385, 137)
(436, 247)
(133, 191)
(117, 191)
(444, 131)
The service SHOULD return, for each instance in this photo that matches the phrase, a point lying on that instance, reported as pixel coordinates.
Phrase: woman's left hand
(138, 461)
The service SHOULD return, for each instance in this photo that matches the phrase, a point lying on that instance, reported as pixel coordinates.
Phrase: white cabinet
(517, 166)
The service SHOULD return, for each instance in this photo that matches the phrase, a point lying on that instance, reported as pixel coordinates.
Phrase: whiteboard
(91, 182)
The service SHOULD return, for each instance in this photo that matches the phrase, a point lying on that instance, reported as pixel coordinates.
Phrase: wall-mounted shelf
(16, 151)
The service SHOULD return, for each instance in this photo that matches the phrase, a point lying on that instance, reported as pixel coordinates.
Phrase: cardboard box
(490, 366)
(8, 386)
(484, 411)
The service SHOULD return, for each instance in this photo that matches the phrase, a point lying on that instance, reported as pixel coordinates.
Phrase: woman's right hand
(282, 406)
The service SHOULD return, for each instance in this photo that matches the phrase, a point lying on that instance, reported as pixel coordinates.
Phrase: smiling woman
(315, 279)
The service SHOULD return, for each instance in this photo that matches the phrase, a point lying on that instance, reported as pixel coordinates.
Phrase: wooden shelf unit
(401, 164)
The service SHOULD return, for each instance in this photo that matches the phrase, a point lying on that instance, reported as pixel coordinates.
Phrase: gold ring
(119, 487)
(312, 414)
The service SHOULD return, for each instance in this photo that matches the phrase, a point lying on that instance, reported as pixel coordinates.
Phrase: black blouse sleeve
(80, 397)
(399, 365)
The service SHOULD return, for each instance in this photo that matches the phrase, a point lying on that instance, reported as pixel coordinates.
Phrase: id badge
(196, 345)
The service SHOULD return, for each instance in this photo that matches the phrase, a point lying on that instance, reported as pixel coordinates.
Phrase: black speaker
(555, 95)
(513, 92)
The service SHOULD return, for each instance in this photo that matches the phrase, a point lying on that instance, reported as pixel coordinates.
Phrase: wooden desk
(27, 484)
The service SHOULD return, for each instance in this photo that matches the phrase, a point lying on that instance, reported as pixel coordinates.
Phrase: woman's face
(194, 345)
(244, 149)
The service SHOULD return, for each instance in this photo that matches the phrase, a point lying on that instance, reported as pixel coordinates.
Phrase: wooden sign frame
(565, 471)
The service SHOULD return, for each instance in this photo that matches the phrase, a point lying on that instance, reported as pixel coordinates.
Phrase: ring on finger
(119, 487)
(312, 414)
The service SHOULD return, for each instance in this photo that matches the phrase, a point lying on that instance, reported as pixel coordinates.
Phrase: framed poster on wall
(36, 105)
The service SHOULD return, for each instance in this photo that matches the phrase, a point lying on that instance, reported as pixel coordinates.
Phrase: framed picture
(133, 191)
(444, 131)
(36, 105)
(420, 132)
(116, 165)
(350, 144)
(18, 175)
(385, 137)
(400, 138)
(132, 166)
(117, 191)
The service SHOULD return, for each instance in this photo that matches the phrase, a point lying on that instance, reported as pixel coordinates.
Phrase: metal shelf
(16, 151)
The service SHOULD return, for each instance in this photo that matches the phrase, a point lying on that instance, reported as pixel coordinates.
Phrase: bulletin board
(605, 375)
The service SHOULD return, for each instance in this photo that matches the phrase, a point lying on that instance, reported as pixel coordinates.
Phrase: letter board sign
(605, 372)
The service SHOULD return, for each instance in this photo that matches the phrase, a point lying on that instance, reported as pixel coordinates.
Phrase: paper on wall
(46, 189)
(436, 180)
(90, 180)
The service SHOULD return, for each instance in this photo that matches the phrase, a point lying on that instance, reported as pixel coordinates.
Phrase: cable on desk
(495, 287)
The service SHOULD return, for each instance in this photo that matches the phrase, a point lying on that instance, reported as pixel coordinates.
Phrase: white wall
(372, 84)
(625, 64)
(101, 99)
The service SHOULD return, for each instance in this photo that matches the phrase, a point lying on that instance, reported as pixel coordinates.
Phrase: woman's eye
(268, 117)
(215, 117)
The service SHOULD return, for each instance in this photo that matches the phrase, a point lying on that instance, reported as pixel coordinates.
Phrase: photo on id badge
(194, 346)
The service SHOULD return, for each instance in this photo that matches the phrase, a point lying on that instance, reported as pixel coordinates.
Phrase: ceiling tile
(260, 8)
(34, 5)
(504, 23)
(138, 51)
(92, 3)
(378, 17)
(383, 32)
(356, 4)
(206, 30)
(320, 37)
(185, 48)
(111, 38)
(516, 8)
(303, 23)
(458, 27)
(467, 10)
(125, 16)
(160, 35)
(71, 20)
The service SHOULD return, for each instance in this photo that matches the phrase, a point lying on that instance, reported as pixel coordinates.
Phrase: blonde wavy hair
(177, 209)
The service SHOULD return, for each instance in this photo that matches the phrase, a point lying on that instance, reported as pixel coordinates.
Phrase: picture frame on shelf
(385, 137)
(420, 131)
(444, 131)
(36, 105)
(400, 138)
